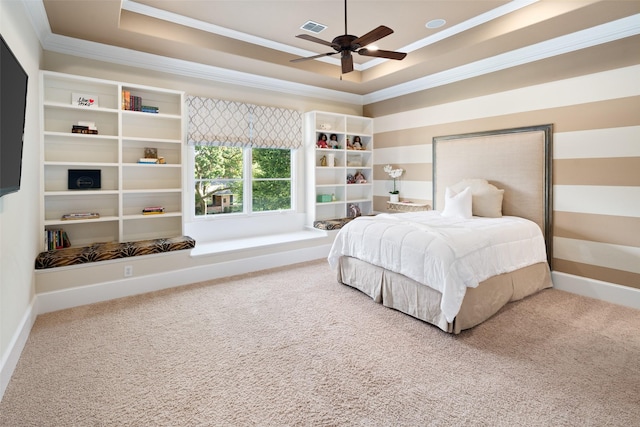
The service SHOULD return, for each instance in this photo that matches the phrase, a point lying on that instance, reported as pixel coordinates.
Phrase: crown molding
(117, 55)
(615, 30)
(457, 29)
(148, 61)
(153, 12)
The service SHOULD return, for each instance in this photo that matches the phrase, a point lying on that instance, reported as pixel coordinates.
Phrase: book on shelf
(152, 210)
(80, 215)
(89, 125)
(148, 161)
(151, 161)
(84, 131)
(85, 127)
(56, 238)
(134, 103)
(131, 102)
(125, 99)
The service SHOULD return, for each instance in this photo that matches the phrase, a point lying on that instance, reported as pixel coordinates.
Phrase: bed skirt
(408, 296)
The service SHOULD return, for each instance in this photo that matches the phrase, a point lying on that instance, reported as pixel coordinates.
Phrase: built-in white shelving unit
(127, 186)
(330, 194)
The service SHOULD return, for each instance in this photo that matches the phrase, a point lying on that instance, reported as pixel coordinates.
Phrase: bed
(438, 266)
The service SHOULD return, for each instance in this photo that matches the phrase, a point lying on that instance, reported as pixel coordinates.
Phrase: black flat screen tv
(13, 104)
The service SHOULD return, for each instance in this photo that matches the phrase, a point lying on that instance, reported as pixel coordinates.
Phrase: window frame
(247, 171)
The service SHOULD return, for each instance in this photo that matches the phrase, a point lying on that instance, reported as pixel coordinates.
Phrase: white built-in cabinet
(126, 185)
(329, 192)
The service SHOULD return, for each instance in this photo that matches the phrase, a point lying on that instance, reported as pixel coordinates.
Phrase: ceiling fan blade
(373, 35)
(313, 57)
(382, 54)
(347, 62)
(316, 40)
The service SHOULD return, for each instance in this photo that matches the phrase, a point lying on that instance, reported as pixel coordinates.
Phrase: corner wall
(596, 159)
(19, 212)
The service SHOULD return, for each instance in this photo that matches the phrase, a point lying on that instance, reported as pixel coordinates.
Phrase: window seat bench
(233, 245)
(110, 251)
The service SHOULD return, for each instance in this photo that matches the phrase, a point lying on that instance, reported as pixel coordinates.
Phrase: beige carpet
(292, 347)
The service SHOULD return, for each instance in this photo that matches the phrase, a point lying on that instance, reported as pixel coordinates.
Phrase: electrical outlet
(128, 270)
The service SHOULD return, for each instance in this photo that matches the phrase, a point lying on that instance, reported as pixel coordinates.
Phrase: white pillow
(457, 205)
(486, 198)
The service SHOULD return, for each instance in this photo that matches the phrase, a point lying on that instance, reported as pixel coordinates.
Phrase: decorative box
(354, 160)
(324, 198)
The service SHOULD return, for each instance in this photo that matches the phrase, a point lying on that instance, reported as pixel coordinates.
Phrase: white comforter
(446, 254)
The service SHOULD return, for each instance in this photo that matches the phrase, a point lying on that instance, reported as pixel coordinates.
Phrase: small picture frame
(84, 100)
(150, 153)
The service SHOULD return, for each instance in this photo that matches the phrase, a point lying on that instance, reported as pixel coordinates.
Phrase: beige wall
(19, 212)
(596, 161)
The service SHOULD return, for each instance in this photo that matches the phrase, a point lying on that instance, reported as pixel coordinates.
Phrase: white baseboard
(616, 294)
(10, 359)
(82, 295)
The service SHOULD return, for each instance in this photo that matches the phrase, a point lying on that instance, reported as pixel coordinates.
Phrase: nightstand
(407, 207)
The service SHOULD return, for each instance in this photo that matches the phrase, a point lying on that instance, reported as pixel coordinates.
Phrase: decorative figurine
(322, 141)
(357, 143)
(354, 210)
(333, 141)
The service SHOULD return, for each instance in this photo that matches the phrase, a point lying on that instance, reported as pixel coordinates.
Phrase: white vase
(331, 160)
(394, 198)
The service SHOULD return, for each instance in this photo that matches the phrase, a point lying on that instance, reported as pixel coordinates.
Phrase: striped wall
(596, 162)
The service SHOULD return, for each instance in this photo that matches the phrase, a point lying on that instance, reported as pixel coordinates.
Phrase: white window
(221, 184)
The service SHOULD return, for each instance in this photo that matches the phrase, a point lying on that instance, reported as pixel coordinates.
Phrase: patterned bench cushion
(331, 224)
(111, 250)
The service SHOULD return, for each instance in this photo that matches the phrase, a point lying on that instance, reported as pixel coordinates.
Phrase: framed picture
(84, 100)
(150, 153)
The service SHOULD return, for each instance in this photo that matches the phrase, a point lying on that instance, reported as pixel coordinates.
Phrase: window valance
(236, 124)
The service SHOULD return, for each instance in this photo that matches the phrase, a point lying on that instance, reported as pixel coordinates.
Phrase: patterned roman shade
(236, 124)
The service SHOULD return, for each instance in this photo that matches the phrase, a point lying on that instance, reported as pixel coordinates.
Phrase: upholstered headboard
(517, 160)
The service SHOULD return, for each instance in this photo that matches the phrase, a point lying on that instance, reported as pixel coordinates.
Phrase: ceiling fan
(345, 44)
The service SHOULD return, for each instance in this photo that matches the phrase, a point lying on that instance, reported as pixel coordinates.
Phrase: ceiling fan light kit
(346, 44)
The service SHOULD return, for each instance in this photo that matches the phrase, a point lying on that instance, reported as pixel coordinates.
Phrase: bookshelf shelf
(80, 193)
(81, 164)
(60, 222)
(123, 135)
(152, 217)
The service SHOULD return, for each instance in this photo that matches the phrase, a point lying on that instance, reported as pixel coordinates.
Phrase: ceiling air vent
(313, 27)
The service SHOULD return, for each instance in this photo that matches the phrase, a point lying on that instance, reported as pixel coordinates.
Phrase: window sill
(235, 245)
